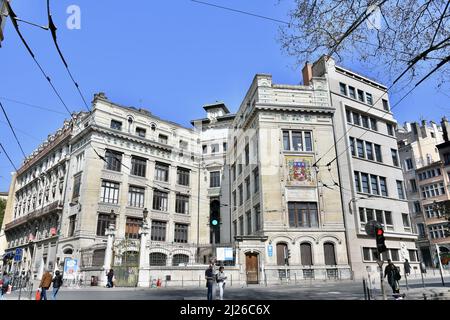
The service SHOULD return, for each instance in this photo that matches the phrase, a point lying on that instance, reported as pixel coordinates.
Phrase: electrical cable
(12, 129)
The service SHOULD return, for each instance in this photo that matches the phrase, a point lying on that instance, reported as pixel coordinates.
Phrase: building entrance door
(252, 267)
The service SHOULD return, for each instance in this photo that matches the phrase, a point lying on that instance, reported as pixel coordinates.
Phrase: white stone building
(370, 175)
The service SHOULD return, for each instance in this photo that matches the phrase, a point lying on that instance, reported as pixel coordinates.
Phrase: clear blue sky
(171, 57)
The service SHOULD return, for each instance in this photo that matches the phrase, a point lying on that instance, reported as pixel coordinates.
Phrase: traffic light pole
(380, 264)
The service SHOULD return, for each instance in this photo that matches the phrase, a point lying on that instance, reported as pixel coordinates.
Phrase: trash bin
(94, 281)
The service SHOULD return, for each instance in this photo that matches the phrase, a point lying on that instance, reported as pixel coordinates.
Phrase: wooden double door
(252, 267)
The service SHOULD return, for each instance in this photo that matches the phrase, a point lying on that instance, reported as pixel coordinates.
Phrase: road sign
(18, 254)
(371, 227)
(270, 250)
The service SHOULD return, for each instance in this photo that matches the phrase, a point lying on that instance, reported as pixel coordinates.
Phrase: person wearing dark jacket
(46, 281)
(110, 277)
(407, 267)
(210, 280)
(57, 283)
(6, 281)
(392, 272)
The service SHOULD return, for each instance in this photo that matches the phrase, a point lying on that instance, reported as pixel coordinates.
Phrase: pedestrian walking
(210, 280)
(110, 277)
(407, 267)
(6, 281)
(45, 284)
(57, 284)
(393, 274)
(221, 280)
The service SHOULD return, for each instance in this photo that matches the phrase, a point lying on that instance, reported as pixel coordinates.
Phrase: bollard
(231, 279)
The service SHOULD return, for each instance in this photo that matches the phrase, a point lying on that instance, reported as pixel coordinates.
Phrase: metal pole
(369, 287)
(20, 286)
(380, 264)
(423, 282)
(440, 264)
(364, 288)
(406, 279)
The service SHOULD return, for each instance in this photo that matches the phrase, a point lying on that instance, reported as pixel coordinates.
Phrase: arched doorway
(252, 267)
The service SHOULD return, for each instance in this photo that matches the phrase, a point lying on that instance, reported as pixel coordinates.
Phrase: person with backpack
(6, 281)
(57, 283)
(393, 274)
(46, 281)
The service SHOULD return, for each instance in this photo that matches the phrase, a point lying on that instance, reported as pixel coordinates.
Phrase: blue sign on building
(18, 254)
(270, 250)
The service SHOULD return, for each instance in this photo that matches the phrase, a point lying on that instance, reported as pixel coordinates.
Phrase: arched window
(306, 254)
(330, 255)
(98, 257)
(180, 259)
(158, 259)
(281, 253)
(68, 251)
(130, 258)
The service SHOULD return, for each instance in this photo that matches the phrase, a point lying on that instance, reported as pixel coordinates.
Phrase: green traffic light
(214, 222)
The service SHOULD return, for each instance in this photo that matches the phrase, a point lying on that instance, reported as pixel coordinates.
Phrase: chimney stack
(445, 129)
(307, 74)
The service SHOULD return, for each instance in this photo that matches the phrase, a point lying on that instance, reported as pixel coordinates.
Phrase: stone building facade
(370, 175)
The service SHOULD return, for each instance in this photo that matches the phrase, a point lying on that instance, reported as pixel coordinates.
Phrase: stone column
(144, 275)
(108, 253)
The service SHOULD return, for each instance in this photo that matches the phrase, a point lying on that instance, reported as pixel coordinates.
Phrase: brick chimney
(307, 74)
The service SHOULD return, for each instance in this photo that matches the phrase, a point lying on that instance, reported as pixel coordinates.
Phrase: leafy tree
(407, 37)
(2, 210)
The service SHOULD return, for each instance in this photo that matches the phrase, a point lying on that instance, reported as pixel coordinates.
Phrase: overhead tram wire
(12, 129)
(444, 61)
(53, 29)
(6, 154)
(32, 105)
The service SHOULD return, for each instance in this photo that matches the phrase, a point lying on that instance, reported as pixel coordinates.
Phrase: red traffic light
(380, 232)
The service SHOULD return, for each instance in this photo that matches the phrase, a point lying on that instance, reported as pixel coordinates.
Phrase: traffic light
(214, 222)
(289, 253)
(380, 240)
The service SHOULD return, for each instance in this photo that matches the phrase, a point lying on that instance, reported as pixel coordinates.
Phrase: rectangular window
(383, 187)
(138, 166)
(286, 141)
(233, 172)
(248, 217)
(390, 129)
(235, 228)
(412, 255)
(378, 153)
(409, 164)
(360, 147)
(76, 187)
(116, 125)
(113, 160)
(241, 195)
(369, 150)
(205, 149)
(224, 146)
(348, 115)
(182, 203)
(183, 176)
(158, 232)
(369, 214)
(395, 255)
(365, 182)
(366, 254)
(214, 179)
(401, 193)
(241, 225)
(257, 218)
(239, 164)
(352, 146)
(160, 200)
(362, 215)
(256, 179)
(421, 230)
(379, 216)
(109, 192)
(140, 132)
(162, 172)
(388, 218)
(132, 228)
(247, 155)
(374, 185)
(373, 124)
(303, 214)
(181, 233)
(308, 141)
(405, 218)
(103, 223)
(297, 142)
(417, 208)
(136, 196)
(357, 183)
(385, 105)
(352, 92)
(163, 139)
(72, 220)
(215, 148)
(394, 157)
(361, 95)
(413, 184)
(343, 88)
(234, 200)
(247, 188)
(369, 98)
(356, 119)
(365, 121)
